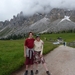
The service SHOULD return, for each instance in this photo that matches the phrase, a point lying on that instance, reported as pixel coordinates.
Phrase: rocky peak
(42, 21)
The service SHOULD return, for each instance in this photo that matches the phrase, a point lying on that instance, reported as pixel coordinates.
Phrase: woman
(28, 53)
(38, 54)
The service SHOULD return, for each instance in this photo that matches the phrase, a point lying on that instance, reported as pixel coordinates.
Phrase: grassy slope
(5, 31)
(11, 52)
(68, 37)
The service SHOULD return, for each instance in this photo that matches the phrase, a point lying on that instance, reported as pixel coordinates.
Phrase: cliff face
(60, 13)
(39, 22)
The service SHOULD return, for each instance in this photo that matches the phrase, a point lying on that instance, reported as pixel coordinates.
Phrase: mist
(8, 8)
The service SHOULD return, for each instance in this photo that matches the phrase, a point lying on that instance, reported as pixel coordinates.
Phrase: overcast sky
(8, 8)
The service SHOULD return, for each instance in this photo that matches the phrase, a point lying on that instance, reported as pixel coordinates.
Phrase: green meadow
(12, 52)
(68, 37)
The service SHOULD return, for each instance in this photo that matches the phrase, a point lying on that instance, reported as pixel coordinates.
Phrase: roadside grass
(11, 56)
(12, 52)
(48, 47)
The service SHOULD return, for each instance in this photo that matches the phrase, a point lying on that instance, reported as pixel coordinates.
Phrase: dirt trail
(61, 61)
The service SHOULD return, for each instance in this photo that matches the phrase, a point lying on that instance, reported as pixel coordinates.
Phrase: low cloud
(8, 8)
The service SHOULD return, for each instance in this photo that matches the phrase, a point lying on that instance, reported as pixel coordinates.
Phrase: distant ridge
(55, 21)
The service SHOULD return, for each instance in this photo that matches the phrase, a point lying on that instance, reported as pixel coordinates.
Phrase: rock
(41, 22)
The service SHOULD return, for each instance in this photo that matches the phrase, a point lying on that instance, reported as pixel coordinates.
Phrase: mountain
(53, 21)
(45, 25)
(60, 25)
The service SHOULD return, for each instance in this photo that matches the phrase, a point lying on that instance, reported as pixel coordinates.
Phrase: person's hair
(30, 32)
(37, 36)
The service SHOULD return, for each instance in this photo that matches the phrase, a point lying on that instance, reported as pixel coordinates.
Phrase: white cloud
(8, 8)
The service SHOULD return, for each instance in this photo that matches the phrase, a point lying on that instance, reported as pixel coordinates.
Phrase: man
(28, 52)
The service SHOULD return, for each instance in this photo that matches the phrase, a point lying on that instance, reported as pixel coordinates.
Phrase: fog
(8, 8)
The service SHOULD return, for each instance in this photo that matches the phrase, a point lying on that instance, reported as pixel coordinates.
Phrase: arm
(42, 49)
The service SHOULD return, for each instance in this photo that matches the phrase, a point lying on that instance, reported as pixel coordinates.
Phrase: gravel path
(61, 61)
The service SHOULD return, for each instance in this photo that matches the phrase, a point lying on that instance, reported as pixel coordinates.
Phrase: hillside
(39, 22)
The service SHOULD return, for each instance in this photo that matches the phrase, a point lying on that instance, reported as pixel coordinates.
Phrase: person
(64, 43)
(38, 54)
(28, 53)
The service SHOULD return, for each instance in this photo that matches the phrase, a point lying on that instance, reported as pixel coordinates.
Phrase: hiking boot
(32, 72)
(36, 72)
(26, 72)
(48, 73)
